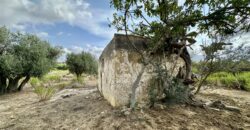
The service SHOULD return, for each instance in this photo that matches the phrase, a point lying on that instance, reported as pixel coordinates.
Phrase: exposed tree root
(215, 105)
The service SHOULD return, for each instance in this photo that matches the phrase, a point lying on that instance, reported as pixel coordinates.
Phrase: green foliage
(240, 80)
(173, 19)
(168, 22)
(24, 55)
(81, 63)
(172, 88)
(244, 80)
(177, 91)
(61, 66)
(44, 93)
(219, 58)
(35, 82)
(51, 78)
(61, 85)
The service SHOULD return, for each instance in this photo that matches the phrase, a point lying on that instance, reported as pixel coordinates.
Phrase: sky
(76, 25)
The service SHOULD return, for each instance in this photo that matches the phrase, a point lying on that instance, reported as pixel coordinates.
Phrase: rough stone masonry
(120, 64)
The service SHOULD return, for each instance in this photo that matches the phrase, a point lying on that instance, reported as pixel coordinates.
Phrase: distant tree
(81, 63)
(220, 57)
(23, 56)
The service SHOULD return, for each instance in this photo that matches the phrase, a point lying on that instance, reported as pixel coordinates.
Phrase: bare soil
(84, 108)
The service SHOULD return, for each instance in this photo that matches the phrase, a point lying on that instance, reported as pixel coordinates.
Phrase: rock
(66, 93)
(76, 85)
(159, 106)
(103, 112)
(12, 117)
(126, 111)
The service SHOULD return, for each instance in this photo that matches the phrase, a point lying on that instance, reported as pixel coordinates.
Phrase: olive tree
(22, 57)
(222, 57)
(83, 62)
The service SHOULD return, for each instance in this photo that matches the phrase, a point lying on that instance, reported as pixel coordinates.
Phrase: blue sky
(76, 25)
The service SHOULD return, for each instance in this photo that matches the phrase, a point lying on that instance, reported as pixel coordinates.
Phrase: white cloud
(76, 49)
(42, 34)
(19, 27)
(94, 50)
(66, 50)
(74, 12)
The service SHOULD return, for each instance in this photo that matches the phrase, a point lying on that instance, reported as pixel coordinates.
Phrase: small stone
(126, 113)
(12, 117)
(160, 106)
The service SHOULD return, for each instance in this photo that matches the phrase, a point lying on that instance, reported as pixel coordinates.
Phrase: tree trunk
(26, 80)
(201, 83)
(78, 77)
(3, 84)
(13, 84)
(134, 87)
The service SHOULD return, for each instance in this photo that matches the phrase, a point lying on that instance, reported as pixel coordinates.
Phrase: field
(238, 81)
(79, 106)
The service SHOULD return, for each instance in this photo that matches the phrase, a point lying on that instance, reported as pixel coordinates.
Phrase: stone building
(120, 64)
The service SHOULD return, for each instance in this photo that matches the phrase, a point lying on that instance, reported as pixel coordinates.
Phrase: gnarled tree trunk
(3, 84)
(13, 84)
(27, 78)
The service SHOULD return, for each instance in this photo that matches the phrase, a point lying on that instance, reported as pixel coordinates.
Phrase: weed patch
(44, 93)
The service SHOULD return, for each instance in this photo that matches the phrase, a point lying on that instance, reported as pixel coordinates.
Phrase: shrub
(51, 78)
(35, 82)
(176, 91)
(168, 88)
(61, 66)
(240, 80)
(244, 80)
(62, 85)
(44, 93)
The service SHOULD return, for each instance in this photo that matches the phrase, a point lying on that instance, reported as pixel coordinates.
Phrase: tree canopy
(175, 19)
(23, 56)
(81, 63)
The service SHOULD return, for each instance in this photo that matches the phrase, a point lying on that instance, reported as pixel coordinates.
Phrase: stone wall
(119, 70)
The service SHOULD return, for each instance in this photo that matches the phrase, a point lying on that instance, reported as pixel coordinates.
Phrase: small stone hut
(120, 64)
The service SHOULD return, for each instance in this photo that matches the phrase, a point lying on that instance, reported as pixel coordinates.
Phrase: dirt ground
(85, 109)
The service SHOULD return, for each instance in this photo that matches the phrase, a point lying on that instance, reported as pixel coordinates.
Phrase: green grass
(61, 66)
(44, 93)
(240, 80)
(56, 80)
(54, 76)
(35, 82)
